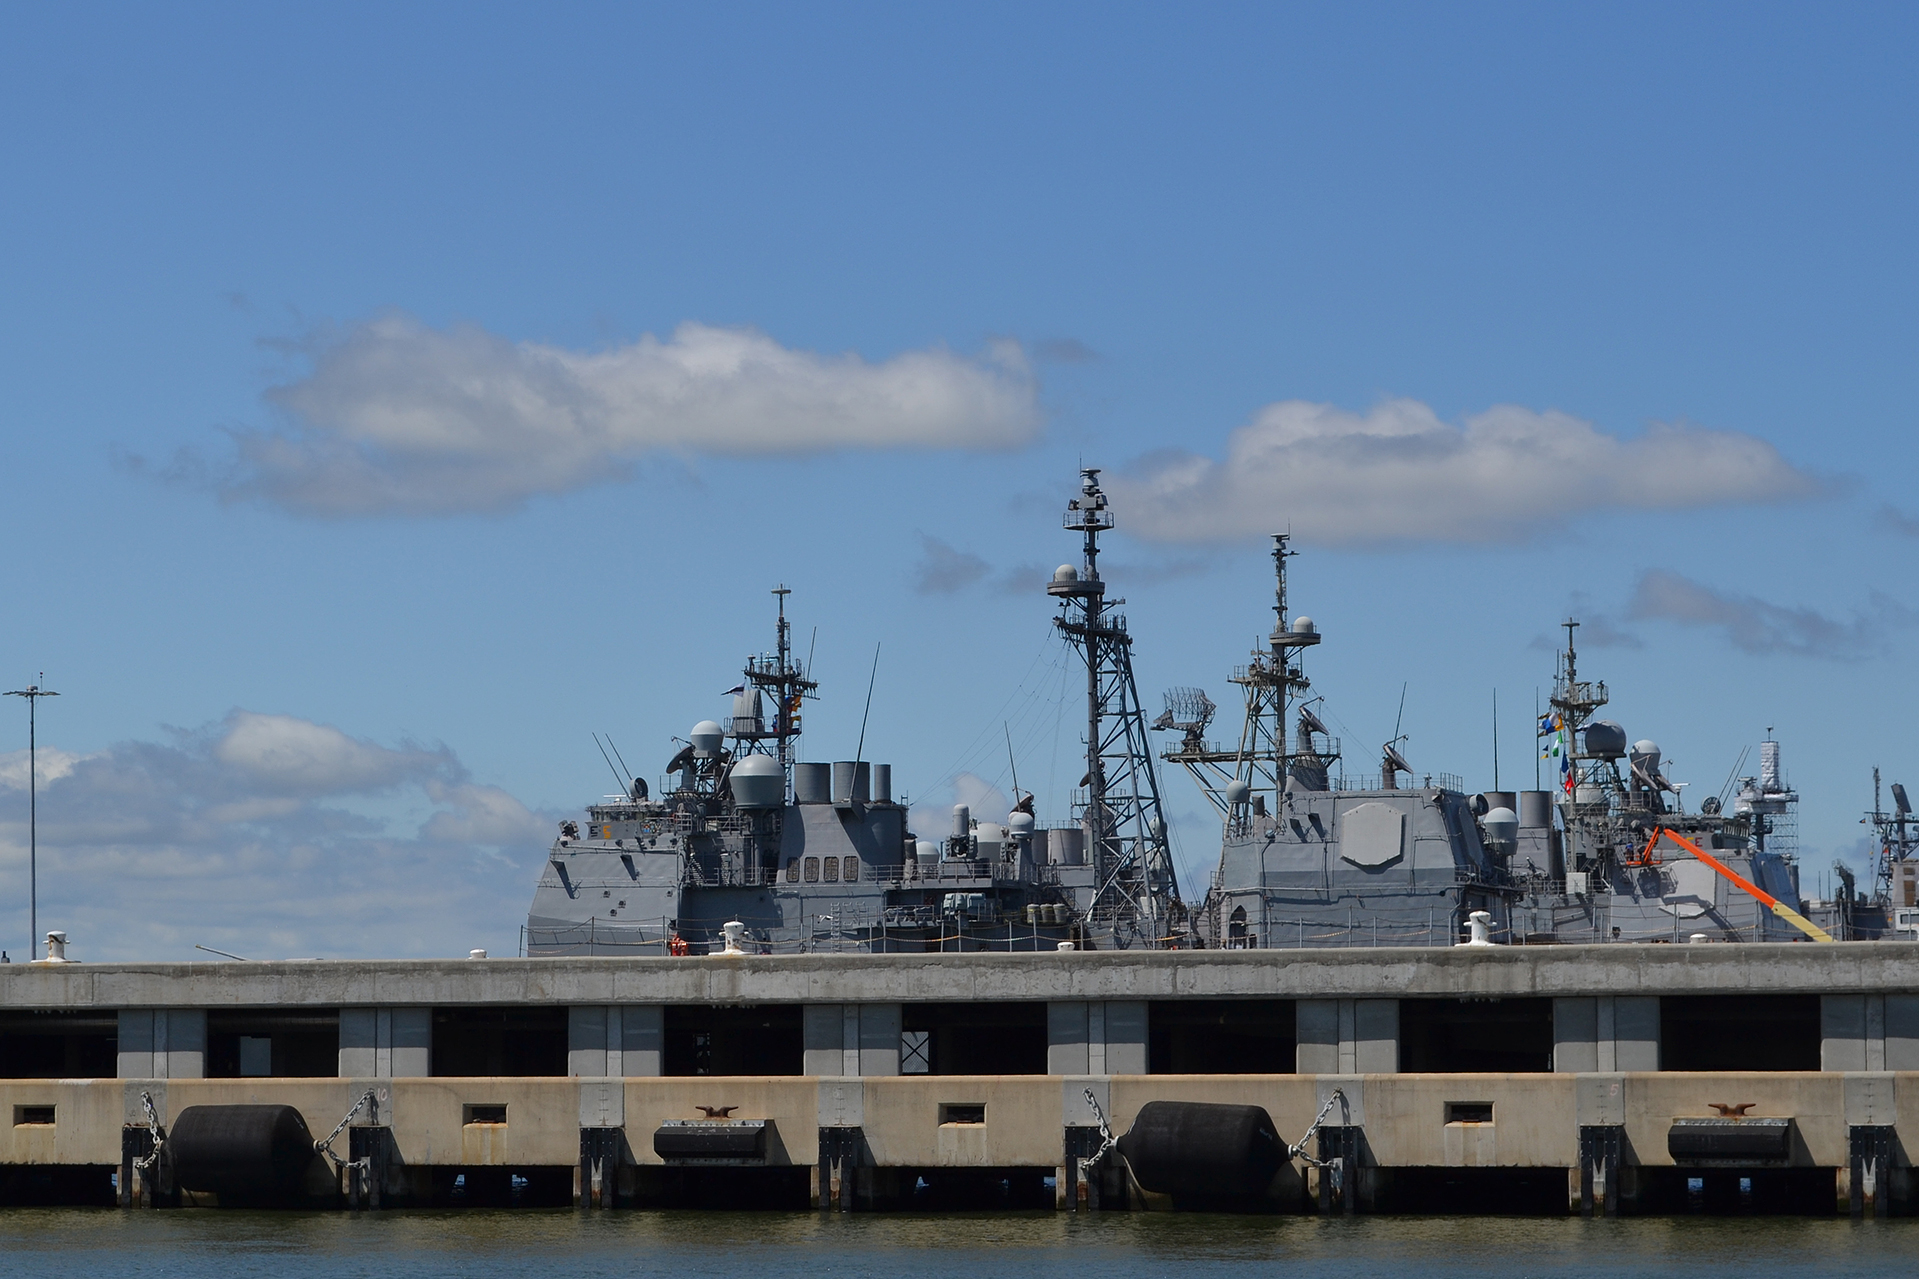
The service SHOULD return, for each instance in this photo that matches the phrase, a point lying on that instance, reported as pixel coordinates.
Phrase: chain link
(326, 1147)
(152, 1157)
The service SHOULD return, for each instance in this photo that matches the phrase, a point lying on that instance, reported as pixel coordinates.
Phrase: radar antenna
(1271, 680)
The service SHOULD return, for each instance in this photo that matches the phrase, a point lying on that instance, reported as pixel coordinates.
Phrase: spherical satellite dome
(1237, 791)
(1066, 573)
(1303, 625)
(706, 737)
(1020, 823)
(1605, 739)
(759, 782)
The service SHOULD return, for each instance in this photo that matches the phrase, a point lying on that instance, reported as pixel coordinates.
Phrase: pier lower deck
(1493, 1143)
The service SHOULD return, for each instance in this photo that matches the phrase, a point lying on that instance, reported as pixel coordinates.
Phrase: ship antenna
(624, 783)
(627, 778)
(1495, 739)
(33, 693)
(1010, 761)
(859, 752)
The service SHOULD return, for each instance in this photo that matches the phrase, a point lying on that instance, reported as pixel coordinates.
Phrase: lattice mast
(1125, 825)
(786, 683)
(1272, 681)
(1587, 787)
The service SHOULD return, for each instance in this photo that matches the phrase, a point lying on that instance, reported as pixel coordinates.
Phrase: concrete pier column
(386, 1043)
(851, 1039)
(1347, 1037)
(618, 1041)
(1869, 1032)
(162, 1043)
(1605, 1033)
(1098, 1038)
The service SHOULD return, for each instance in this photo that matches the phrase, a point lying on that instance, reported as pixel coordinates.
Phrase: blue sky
(391, 397)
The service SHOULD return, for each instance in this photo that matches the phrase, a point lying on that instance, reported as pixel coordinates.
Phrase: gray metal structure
(811, 856)
(1138, 892)
(1310, 858)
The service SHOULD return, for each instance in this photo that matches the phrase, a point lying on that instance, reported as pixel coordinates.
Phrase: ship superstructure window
(832, 870)
(793, 870)
(812, 870)
(850, 869)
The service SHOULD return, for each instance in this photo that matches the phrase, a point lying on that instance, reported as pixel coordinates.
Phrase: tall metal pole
(33, 693)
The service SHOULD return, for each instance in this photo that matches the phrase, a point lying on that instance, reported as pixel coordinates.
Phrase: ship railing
(1426, 781)
(896, 929)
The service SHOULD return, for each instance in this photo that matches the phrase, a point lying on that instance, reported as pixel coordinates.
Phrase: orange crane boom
(1772, 903)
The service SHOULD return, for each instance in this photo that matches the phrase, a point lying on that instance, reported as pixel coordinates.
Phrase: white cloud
(1398, 473)
(300, 757)
(1756, 626)
(397, 417)
(269, 835)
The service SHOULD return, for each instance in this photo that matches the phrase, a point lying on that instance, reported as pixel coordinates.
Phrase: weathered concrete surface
(1775, 968)
(1535, 1123)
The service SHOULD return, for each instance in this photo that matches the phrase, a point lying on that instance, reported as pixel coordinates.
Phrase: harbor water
(693, 1245)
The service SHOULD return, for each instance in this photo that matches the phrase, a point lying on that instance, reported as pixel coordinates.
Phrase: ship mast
(1125, 827)
(788, 686)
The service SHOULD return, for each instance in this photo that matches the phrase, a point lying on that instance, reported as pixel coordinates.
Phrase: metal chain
(1107, 1140)
(1298, 1150)
(326, 1147)
(153, 1127)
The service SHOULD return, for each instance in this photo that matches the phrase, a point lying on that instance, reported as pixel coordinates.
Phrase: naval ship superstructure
(1313, 858)
(752, 850)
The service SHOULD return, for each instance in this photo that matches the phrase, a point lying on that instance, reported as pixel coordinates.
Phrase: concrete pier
(1593, 1079)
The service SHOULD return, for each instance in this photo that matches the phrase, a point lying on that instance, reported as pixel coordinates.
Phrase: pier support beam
(1601, 1149)
(1341, 1181)
(369, 1152)
(602, 1155)
(836, 1180)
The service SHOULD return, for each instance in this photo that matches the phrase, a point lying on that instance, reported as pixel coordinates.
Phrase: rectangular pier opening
(248, 1042)
(735, 1039)
(1476, 1036)
(979, 1039)
(1739, 1032)
(1221, 1037)
(780, 1189)
(499, 1041)
(58, 1045)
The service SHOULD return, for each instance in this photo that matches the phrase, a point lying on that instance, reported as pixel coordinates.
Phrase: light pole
(33, 693)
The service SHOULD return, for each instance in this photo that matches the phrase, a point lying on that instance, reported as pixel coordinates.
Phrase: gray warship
(1311, 857)
(752, 850)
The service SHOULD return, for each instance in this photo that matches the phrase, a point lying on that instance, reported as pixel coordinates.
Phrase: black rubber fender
(244, 1154)
(1197, 1149)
